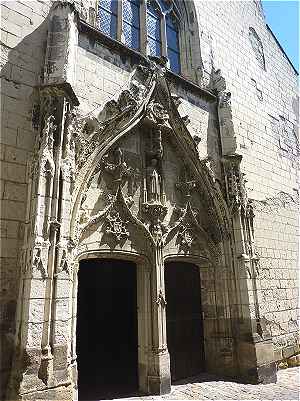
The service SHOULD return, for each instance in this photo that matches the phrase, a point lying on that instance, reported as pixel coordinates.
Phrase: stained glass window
(131, 23)
(107, 17)
(173, 44)
(120, 19)
(153, 30)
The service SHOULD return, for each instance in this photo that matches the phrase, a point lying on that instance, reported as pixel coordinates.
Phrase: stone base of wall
(291, 362)
(59, 393)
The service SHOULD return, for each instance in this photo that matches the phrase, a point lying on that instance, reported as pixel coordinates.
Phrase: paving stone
(226, 390)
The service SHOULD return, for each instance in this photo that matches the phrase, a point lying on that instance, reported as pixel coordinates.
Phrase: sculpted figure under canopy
(153, 179)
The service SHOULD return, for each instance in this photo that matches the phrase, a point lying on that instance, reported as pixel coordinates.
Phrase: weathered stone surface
(149, 167)
(207, 387)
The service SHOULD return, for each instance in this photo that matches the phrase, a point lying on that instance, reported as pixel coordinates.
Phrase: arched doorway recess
(184, 319)
(107, 328)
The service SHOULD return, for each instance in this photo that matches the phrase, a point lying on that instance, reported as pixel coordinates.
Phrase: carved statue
(118, 168)
(47, 133)
(157, 143)
(153, 182)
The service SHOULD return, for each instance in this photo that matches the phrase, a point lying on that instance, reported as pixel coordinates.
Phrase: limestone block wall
(264, 107)
(23, 36)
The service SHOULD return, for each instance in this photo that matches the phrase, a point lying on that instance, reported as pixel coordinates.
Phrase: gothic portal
(139, 219)
(137, 255)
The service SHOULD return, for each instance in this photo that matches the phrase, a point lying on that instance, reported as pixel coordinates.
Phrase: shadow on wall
(21, 72)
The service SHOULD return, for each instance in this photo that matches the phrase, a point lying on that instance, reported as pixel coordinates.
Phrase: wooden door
(184, 319)
(107, 332)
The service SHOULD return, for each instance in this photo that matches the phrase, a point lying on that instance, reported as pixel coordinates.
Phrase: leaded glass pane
(107, 23)
(109, 5)
(172, 38)
(131, 13)
(173, 44)
(153, 31)
(153, 24)
(174, 61)
(132, 36)
(154, 47)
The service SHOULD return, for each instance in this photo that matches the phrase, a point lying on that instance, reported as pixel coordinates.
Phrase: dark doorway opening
(107, 332)
(184, 320)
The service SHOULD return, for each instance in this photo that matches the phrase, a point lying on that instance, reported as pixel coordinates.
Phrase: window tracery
(149, 26)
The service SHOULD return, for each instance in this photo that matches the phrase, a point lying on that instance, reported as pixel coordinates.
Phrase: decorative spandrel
(186, 236)
(118, 167)
(116, 226)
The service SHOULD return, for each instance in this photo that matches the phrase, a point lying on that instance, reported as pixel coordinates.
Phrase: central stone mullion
(159, 380)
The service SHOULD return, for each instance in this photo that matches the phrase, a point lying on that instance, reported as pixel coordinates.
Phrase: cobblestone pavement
(207, 387)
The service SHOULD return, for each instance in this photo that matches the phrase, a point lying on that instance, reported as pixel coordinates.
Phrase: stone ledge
(138, 57)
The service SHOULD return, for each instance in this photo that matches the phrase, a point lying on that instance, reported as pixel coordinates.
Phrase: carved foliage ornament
(47, 166)
(237, 194)
(116, 226)
(64, 260)
(186, 187)
(157, 113)
(40, 259)
(161, 299)
(154, 214)
(92, 129)
(186, 235)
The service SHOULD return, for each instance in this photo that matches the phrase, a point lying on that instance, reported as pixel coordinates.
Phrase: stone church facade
(149, 187)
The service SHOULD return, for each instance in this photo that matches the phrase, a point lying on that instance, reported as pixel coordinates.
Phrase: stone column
(254, 349)
(33, 364)
(35, 360)
(144, 322)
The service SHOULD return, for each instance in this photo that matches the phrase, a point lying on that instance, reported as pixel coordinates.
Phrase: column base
(160, 383)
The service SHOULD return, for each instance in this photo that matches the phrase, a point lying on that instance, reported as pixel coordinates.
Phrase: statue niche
(153, 182)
